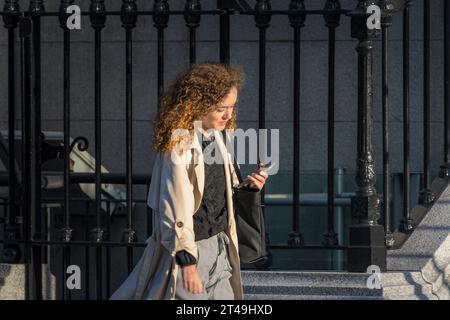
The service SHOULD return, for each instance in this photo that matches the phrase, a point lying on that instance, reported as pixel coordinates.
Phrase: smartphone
(262, 168)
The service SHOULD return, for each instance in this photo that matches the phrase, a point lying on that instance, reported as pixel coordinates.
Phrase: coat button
(179, 224)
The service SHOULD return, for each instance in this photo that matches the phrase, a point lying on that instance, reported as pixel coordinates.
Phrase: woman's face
(221, 113)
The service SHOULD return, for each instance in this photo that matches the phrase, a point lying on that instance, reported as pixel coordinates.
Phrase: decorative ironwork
(63, 15)
(333, 17)
(426, 198)
(192, 14)
(161, 14)
(297, 16)
(36, 7)
(97, 11)
(367, 243)
(129, 236)
(81, 142)
(365, 173)
(262, 13)
(65, 234)
(97, 235)
(367, 239)
(11, 11)
(366, 209)
(128, 14)
(330, 239)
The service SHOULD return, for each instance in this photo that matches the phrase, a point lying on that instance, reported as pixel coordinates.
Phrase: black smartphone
(262, 168)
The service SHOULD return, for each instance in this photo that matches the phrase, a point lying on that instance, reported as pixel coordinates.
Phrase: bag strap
(236, 168)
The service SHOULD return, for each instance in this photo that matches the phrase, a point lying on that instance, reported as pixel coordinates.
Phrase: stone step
(305, 297)
(333, 285)
(306, 278)
(328, 297)
(312, 290)
(406, 290)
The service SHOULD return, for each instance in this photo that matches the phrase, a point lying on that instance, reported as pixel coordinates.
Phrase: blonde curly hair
(192, 95)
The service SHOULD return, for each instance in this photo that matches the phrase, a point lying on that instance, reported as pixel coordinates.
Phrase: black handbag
(250, 225)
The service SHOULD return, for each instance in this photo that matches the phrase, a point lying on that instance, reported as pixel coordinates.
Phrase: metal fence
(26, 236)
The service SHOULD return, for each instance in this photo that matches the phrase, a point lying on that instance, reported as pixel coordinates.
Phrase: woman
(193, 251)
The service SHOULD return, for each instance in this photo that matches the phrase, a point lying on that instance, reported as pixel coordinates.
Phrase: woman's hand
(258, 179)
(191, 279)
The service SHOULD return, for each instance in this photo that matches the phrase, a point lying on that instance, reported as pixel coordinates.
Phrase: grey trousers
(214, 270)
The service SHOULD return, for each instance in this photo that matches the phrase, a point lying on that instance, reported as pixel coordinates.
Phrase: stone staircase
(419, 269)
(304, 285)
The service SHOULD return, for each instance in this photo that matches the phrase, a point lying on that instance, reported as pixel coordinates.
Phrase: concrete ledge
(427, 250)
(12, 281)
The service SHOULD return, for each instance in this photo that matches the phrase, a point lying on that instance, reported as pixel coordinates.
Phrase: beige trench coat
(175, 195)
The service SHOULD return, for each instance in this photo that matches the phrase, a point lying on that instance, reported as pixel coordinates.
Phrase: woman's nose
(227, 115)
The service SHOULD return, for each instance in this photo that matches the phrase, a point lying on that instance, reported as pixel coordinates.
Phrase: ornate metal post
(366, 243)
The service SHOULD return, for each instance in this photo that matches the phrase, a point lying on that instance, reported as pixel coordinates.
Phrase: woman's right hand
(191, 279)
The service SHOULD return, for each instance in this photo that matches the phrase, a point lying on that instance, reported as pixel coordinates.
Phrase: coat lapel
(226, 164)
(199, 170)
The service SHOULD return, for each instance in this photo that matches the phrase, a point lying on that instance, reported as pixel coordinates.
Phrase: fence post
(445, 168)
(11, 252)
(366, 242)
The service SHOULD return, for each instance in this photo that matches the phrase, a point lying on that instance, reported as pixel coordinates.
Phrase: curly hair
(192, 95)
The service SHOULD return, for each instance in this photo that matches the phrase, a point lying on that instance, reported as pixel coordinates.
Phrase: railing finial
(11, 11)
(297, 19)
(97, 14)
(128, 13)
(262, 14)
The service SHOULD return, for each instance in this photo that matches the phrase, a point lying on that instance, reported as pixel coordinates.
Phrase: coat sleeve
(176, 205)
(184, 258)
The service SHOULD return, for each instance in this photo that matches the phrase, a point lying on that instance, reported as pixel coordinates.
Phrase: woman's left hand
(258, 179)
